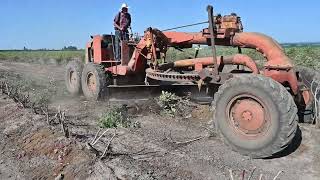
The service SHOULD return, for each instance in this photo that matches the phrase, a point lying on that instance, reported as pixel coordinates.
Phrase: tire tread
(285, 104)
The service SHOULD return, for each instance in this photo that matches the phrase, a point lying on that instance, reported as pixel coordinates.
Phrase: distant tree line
(311, 44)
(65, 48)
(69, 48)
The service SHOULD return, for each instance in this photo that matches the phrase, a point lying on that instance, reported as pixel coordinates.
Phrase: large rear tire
(94, 82)
(73, 77)
(256, 116)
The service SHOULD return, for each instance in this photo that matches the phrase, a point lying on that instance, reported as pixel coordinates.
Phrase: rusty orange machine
(255, 108)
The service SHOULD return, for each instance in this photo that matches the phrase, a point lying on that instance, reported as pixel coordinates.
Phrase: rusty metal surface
(118, 70)
(241, 59)
(125, 53)
(283, 76)
(238, 59)
(183, 38)
(226, 27)
(248, 116)
(227, 31)
(172, 76)
(97, 49)
(192, 77)
(210, 78)
(212, 30)
(267, 46)
(278, 65)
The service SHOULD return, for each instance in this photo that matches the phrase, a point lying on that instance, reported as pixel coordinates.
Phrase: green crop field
(41, 56)
(305, 55)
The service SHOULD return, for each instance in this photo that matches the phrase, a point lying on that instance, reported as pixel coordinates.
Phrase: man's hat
(124, 5)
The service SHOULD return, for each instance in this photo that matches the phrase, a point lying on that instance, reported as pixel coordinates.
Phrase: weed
(174, 105)
(14, 91)
(30, 93)
(168, 101)
(117, 117)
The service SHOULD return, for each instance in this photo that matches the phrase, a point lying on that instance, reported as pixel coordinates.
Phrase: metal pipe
(183, 38)
(238, 59)
(113, 48)
(265, 45)
(212, 38)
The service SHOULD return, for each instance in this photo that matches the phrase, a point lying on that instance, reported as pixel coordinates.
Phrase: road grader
(256, 109)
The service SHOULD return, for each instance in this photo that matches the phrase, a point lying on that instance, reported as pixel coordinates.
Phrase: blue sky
(58, 23)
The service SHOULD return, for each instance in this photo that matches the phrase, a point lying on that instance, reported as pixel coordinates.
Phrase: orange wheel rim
(248, 116)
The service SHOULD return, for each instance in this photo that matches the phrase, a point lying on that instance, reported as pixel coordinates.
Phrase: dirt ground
(159, 149)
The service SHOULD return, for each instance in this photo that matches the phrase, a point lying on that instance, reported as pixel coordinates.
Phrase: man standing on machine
(121, 23)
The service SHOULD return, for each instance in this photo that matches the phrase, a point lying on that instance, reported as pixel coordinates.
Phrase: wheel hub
(248, 116)
(91, 82)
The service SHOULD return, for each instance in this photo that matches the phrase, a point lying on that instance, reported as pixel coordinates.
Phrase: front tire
(256, 116)
(94, 82)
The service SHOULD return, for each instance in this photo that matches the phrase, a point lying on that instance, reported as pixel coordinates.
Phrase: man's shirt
(123, 20)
